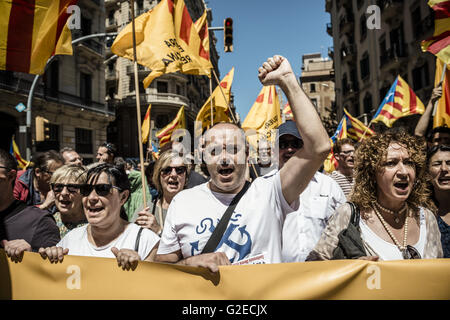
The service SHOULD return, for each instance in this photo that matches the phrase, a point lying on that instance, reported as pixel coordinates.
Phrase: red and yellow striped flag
(145, 129)
(201, 25)
(31, 32)
(219, 106)
(166, 41)
(287, 111)
(439, 43)
(14, 150)
(165, 134)
(442, 116)
(263, 116)
(355, 129)
(400, 101)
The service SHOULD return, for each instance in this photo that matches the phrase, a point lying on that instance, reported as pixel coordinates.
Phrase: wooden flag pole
(138, 109)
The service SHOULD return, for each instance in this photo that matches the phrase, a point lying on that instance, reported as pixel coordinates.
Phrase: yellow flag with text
(166, 41)
(264, 115)
(219, 105)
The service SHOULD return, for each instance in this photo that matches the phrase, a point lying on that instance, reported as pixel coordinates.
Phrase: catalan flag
(287, 111)
(165, 134)
(263, 116)
(166, 41)
(439, 43)
(442, 116)
(219, 106)
(145, 129)
(400, 101)
(14, 150)
(31, 32)
(201, 25)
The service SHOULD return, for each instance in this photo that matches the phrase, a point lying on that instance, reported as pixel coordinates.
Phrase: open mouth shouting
(444, 180)
(94, 211)
(401, 187)
(65, 204)
(226, 172)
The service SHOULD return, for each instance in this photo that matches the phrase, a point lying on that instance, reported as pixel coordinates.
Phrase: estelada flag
(287, 111)
(219, 106)
(439, 43)
(355, 129)
(263, 116)
(31, 32)
(145, 129)
(165, 134)
(400, 101)
(442, 116)
(166, 41)
(14, 150)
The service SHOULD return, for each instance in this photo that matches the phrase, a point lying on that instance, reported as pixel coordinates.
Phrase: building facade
(367, 60)
(70, 95)
(317, 80)
(166, 94)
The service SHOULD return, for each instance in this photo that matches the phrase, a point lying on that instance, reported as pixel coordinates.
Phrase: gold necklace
(395, 214)
(388, 230)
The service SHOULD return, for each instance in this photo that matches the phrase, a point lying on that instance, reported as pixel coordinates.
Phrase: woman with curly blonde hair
(386, 218)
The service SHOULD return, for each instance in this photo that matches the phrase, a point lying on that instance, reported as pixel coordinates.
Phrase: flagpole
(211, 100)
(223, 93)
(138, 109)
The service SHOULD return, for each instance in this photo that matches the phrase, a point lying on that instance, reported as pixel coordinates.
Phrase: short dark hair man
(22, 227)
(106, 153)
(344, 151)
(70, 156)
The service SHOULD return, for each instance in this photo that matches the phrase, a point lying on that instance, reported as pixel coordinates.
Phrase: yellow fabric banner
(100, 278)
(442, 117)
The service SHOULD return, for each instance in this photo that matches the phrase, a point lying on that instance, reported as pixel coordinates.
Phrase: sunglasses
(179, 170)
(294, 144)
(2, 167)
(102, 189)
(410, 253)
(59, 187)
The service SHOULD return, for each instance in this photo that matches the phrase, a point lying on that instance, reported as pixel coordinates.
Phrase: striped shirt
(345, 182)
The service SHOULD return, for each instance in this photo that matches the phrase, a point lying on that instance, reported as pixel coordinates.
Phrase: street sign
(20, 107)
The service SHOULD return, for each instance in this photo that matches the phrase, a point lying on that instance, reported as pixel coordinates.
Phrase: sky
(261, 29)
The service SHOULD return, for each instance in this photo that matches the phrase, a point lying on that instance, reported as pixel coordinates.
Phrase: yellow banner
(100, 278)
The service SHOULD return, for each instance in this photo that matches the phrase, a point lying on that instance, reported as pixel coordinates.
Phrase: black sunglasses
(71, 187)
(2, 167)
(178, 170)
(410, 253)
(102, 189)
(295, 144)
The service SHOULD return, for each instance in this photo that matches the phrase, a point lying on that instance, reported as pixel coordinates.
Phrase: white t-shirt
(302, 229)
(78, 244)
(253, 234)
(389, 251)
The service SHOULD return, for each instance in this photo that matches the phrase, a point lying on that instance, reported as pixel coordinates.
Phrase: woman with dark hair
(106, 234)
(439, 169)
(386, 219)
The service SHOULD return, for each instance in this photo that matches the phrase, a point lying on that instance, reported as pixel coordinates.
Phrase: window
(179, 90)
(398, 46)
(86, 25)
(368, 103)
(365, 66)
(312, 87)
(416, 19)
(51, 79)
(420, 77)
(314, 102)
(162, 87)
(363, 27)
(86, 88)
(83, 140)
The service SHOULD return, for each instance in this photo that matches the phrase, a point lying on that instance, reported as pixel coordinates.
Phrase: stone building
(70, 95)
(367, 61)
(317, 80)
(166, 94)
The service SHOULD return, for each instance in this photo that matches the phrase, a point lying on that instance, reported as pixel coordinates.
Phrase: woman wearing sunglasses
(65, 184)
(169, 177)
(390, 222)
(439, 169)
(106, 234)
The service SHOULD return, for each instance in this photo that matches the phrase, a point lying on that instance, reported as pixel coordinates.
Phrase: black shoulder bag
(214, 240)
(350, 244)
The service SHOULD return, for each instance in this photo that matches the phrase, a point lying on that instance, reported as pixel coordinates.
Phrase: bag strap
(218, 232)
(354, 219)
(138, 238)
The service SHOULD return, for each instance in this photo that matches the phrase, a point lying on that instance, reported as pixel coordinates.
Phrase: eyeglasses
(294, 144)
(347, 153)
(59, 187)
(101, 189)
(410, 253)
(2, 167)
(179, 170)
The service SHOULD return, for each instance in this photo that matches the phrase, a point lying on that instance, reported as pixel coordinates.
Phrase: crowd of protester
(387, 200)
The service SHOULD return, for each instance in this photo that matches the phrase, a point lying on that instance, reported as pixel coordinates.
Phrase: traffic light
(228, 35)
(42, 129)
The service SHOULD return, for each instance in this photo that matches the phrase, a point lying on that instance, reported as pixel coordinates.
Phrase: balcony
(348, 53)
(390, 8)
(393, 56)
(167, 98)
(92, 48)
(330, 29)
(141, 69)
(346, 24)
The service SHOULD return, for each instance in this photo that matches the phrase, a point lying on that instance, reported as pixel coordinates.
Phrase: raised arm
(422, 125)
(299, 170)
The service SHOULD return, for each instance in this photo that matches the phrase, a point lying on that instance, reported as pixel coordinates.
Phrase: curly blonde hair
(369, 158)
